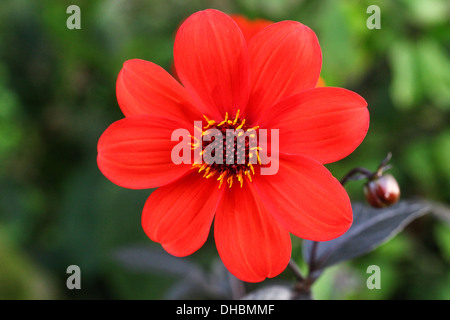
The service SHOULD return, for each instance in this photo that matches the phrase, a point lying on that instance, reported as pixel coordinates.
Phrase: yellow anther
(225, 172)
(240, 179)
(210, 122)
(230, 181)
(222, 175)
(237, 116)
(251, 168)
(224, 121)
(249, 176)
(207, 171)
(241, 125)
(195, 145)
(211, 174)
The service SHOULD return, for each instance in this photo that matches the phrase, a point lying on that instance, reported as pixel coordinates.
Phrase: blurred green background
(57, 96)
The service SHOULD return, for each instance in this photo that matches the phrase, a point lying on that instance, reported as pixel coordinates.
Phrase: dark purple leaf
(371, 227)
(439, 210)
(147, 259)
(193, 281)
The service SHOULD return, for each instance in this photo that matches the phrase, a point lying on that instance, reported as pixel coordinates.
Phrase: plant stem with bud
(381, 190)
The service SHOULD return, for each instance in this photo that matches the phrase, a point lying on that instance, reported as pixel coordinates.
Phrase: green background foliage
(57, 96)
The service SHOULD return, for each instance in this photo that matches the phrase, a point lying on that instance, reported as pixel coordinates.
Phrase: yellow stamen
(202, 167)
(211, 174)
(249, 176)
(224, 121)
(230, 181)
(239, 177)
(206, 171)
(237, 116)
(210, 122)
(241, 125)
(220, 183)
(226, 174)
(251, 167)
(195, 145)
(222, 175)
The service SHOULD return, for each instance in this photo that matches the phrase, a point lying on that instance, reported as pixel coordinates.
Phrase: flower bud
(382, 191)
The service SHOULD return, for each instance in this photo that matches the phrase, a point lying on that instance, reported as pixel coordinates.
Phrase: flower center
(229, 150)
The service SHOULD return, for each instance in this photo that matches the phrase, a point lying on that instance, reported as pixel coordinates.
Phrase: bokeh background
(57, 96)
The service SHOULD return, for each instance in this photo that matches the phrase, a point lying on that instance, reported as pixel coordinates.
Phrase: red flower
(248, 27)
(268, 83)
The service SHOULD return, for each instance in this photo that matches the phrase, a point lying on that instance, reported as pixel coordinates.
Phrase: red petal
(326, 124)
(135, 153)
(179, 215)
(211, 60)
(250, 242)
(250, 27)
(145, 88)
(285, 58)
(306, 199)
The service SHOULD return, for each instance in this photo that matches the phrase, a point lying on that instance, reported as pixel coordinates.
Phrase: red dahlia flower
(268, 83)
(249, 27)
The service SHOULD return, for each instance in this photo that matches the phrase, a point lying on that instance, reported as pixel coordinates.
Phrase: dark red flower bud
(382, 192)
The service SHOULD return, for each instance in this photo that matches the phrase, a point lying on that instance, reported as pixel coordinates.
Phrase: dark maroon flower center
(229, 150)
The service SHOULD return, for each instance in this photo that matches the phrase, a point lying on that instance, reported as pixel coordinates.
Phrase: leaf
(193, 281)
(439, 210)
(371, 227)
(146, 259)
